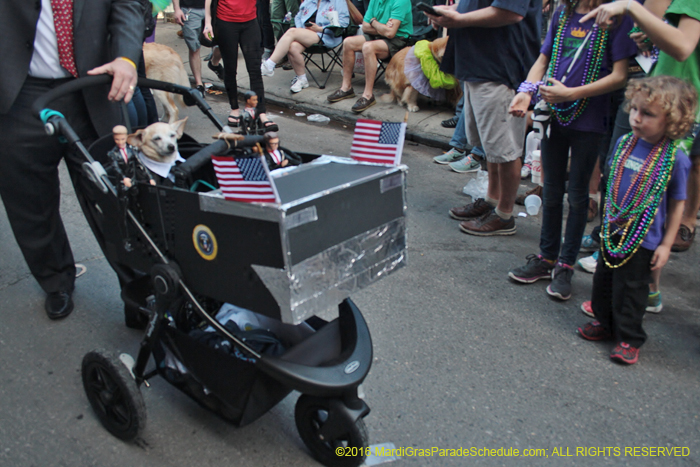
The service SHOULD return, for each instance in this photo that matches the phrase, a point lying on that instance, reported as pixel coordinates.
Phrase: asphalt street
(463, 357)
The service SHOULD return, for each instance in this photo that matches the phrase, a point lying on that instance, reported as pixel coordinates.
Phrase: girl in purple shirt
(578, 98)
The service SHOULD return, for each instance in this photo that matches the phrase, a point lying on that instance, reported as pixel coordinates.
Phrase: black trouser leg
(30, 186)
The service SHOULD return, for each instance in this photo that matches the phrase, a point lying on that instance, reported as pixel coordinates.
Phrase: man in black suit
(107, 37)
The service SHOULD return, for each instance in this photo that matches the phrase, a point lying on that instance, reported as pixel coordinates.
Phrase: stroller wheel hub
(106, 397)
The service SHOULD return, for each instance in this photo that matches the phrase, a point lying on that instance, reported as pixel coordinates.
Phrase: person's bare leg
(297, 58)
(371, 51)
(350, 46)
(655, 280)
(494, 189)
(215, 56)
(692, 202)
(509, 181)
(196, 66)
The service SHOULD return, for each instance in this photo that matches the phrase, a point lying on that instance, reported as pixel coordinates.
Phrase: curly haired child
(645, 196)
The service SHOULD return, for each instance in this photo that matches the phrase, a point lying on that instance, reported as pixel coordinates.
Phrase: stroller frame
(329, 413)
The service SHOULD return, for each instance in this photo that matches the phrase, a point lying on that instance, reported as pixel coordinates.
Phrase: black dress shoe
(58, 305)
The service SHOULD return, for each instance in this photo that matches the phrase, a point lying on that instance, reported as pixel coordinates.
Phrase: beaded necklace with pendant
(567, 114)
(627, 222)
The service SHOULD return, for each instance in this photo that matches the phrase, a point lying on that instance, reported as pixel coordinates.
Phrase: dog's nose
(171, 147)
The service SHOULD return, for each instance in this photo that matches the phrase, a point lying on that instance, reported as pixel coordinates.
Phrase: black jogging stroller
(183, 253)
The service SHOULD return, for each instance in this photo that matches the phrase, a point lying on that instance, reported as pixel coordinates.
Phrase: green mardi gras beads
(632, 216)
(567, 115)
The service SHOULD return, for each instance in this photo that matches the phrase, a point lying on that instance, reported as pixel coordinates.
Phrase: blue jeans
(585, 147)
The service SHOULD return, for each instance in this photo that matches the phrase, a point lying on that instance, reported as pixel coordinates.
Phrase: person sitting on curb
(305, 34)
(386, 27)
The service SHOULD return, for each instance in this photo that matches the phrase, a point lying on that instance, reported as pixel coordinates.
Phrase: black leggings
(247, 35)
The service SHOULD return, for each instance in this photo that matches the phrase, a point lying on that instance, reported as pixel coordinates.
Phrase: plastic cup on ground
(532, 204)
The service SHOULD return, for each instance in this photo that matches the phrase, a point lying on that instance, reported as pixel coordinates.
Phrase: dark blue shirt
(504, 54)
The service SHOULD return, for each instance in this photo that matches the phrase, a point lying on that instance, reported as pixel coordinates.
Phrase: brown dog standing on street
(400, 85)
(164, 64)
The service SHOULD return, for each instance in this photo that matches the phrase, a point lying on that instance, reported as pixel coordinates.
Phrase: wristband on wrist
(128, 60)
(529, 87)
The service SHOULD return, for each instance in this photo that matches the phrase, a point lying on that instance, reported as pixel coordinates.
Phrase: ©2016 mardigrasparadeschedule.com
(608, 451)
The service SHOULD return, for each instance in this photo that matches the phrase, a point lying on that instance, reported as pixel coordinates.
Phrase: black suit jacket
(102, 29)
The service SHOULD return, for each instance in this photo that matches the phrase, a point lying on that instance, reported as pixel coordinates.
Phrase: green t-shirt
(400, 10)
(688, 70)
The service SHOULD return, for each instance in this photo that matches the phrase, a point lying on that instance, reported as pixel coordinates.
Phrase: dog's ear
(179, 127)
(135, 139)
(437, 48)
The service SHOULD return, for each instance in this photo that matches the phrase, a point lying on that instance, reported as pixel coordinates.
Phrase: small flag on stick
(246, 179)
(378, 142)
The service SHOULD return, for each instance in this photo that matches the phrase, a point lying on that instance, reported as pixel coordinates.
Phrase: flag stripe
(378, 142)
(245, 181)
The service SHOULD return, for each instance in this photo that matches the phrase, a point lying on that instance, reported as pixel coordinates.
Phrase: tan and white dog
(164, 64)
(157, 146)
(400, 85)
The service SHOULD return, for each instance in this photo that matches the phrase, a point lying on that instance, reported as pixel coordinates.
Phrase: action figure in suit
(107, 36)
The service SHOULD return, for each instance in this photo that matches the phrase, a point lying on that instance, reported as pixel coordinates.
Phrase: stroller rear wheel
(113, 394)
(347, 449)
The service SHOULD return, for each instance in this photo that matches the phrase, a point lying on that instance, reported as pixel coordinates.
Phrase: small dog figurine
(157, 147)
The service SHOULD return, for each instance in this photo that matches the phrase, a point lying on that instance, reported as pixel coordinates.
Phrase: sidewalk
(423, 126)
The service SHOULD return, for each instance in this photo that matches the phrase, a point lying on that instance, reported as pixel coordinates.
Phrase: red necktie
(126, 158)
(63, 22)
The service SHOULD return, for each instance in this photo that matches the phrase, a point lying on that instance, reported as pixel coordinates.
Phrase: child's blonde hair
(677, 98)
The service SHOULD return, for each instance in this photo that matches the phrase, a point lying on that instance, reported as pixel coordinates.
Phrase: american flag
(379, 142)
(246, 179)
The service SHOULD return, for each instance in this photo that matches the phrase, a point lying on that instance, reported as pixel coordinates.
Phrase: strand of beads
(630, 218)
(566, 115)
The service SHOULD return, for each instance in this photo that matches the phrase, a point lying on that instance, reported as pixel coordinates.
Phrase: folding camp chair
(326, 58)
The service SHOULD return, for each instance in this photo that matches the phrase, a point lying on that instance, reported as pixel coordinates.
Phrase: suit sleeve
(126, 27)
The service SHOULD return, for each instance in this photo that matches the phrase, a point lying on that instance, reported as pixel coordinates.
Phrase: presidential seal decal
(204, 242)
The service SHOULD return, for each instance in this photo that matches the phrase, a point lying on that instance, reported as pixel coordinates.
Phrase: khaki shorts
(194, 23)
(488, 123)
(394, 45)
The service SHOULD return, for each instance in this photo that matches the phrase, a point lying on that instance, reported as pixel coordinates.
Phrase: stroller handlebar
(191, 96)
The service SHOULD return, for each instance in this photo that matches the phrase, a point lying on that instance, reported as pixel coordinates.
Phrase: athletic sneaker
(625, 353)
(594, 331)
(466, 165)
(561, 281)
(535, 269)
(589, 263)
(526, 170)
(298, 84)
(654, 304)
(453, 155)
(588, 245)
(587, 308)
(265, 70)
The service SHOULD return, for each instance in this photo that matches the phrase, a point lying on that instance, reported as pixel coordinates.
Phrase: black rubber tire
(134, 318)
(113, 394)
(310, 414)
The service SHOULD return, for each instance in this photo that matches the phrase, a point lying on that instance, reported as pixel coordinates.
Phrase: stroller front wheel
(113, 394)
(349, 444)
